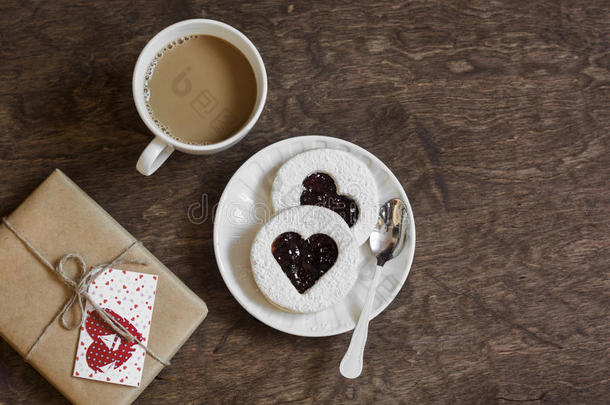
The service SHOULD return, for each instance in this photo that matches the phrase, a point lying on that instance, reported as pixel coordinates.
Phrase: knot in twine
(80, 287)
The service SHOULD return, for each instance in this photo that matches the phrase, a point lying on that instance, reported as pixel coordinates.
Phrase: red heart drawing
(98, 353)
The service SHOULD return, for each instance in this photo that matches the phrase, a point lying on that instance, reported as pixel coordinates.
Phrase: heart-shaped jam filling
(304, 261)
(320, 190)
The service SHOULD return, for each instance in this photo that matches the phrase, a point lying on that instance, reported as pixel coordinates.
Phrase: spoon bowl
(388, 238)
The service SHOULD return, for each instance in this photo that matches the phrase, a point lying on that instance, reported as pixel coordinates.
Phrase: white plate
(245, 205)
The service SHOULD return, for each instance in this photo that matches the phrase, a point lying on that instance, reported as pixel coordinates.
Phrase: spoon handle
(351, 365)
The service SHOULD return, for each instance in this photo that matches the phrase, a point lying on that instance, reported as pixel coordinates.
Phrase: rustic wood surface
(495, 116)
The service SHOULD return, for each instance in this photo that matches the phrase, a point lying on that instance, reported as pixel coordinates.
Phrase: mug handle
(153, 156)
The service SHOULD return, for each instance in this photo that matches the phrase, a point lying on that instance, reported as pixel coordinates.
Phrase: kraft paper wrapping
(58, 218)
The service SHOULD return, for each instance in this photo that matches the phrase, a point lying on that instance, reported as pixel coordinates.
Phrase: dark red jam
(320, 190)
(304, 261)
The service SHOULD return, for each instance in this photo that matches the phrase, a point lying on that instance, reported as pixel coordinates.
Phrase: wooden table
(495, 116)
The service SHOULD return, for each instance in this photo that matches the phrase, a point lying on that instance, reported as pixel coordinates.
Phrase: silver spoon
(386, 241)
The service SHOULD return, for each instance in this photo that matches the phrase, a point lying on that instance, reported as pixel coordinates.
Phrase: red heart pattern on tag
(98, 353)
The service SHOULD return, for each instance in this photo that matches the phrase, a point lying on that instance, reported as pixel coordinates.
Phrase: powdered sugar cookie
(333, 179)
(304, 259)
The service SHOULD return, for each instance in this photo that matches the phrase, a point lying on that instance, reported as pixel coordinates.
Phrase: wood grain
(495, 116)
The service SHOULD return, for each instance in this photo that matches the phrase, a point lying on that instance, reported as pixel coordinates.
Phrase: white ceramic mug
(159, 149)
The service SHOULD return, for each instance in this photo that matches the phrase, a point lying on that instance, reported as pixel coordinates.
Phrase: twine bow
(80, 286)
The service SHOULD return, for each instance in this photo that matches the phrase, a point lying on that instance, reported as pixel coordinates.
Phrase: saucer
(245, 205)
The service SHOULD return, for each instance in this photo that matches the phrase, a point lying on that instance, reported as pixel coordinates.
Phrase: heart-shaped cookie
(304, 261)
(332, 179)
(320, 189)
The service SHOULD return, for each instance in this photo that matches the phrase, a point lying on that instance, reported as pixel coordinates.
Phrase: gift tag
(102, 354)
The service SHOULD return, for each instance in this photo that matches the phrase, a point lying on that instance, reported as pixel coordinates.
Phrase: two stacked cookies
(304, 259)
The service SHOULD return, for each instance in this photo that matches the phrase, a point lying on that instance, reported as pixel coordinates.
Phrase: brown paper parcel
(59, 218)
